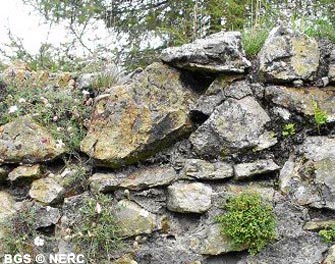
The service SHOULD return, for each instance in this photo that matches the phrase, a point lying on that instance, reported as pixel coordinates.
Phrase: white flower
(59, 144)
(13, 109)
(98, 208)
(39, 242)
(85, 92)
(22, 100)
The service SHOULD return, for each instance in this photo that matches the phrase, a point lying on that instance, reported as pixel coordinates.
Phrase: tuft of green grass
(253, 40)
(321, 29)
(328, 235)
(97, 234)
(288, 130)
(320, 117)
(108, 78)
(248, 221)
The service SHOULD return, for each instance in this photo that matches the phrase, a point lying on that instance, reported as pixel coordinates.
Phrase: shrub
(97, 234)
(328, 235)
(288, 130)
(248, 221)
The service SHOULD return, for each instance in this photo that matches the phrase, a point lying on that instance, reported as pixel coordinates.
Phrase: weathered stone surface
(246, 170)
(309, 178)
(266, 192)
(301, 100)
(126, 259)
(220, 52)
(46, 191)
(204, 170)
(24, 140)
(331, 72)
(214, 95)
(26, 172)
(134, 220)
(207, 240)
(138, 119)
(3, 174)
(189, 197)
(288, 56)
(317, 225)
(7, 206)
(103, 182)
(234, 126)
(149, 177)
(330, 258)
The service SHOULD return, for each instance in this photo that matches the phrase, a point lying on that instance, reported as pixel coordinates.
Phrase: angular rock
(317, 225)
(330, 258)
(247, 170)
(207, 240)
(309, 178)
(331, 72)
(288, 56)
(46, 191)
(234, 126)
(134, 220)
(266, 192)
(103, 182)
(26, 172)
(238, 90)
(3, 174)
(149, 177)
(214, 95)
(189, 197)
(220, 53)
(7, 206)
(301, 100)
(204, 170)
(126, 259)
(24, 140)
(140, 118)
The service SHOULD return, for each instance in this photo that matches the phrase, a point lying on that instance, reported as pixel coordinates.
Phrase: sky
(28, 25)
(32, 28)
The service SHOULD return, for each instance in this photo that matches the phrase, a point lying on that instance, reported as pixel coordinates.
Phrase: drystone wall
(174, 141)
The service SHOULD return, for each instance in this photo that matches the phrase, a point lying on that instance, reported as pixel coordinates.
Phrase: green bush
(248, 221)
(328, 235)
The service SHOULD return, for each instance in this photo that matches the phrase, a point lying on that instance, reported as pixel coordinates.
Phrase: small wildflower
(22, 100)
(85, 92)
(55, 118)
(38, 241)
(12, 109)
(98, 208)
(59, 144)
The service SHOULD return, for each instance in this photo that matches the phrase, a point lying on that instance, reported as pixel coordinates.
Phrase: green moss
(248, 221)
(328, 235)
(289, 130)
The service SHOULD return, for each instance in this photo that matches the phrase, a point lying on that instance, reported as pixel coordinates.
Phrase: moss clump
(288, 130)
(328, 235)
(97, 234)
(248, 221)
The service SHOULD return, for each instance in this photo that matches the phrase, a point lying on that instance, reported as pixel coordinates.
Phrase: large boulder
(302, 100)
(24, 140)
(308, 178)
(235, 125)
(288, 56)
(140, 118)
(220, 52)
